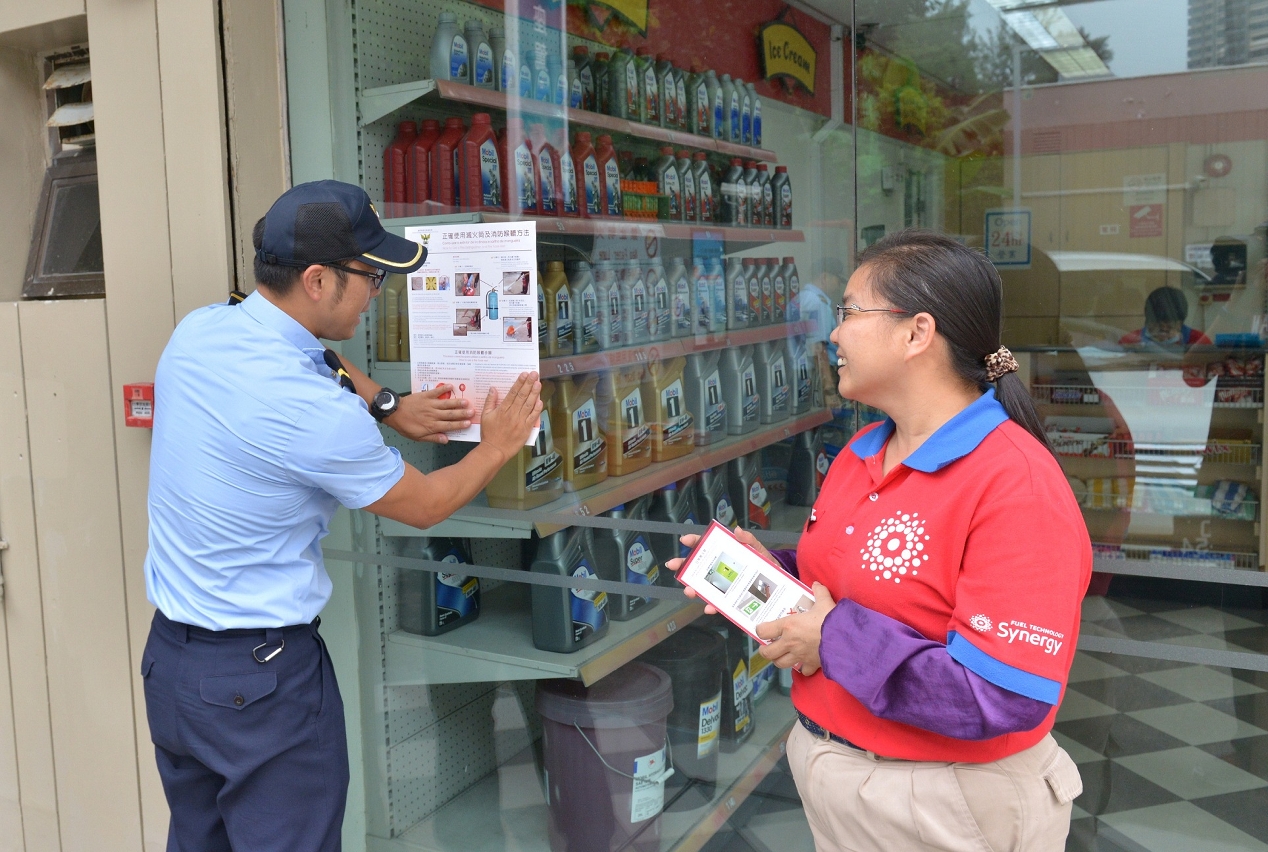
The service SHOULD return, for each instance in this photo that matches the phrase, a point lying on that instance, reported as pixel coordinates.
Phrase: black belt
(823, 733)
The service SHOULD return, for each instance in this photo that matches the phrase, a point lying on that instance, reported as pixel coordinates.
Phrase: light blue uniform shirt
(255, 446)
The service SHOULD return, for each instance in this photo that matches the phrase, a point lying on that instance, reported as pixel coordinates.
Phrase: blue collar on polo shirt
(954, 440)
(275, 319)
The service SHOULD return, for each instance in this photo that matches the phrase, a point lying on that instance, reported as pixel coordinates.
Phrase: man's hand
(424, 416)
(744, 537)
(505, 425)
(796, 637)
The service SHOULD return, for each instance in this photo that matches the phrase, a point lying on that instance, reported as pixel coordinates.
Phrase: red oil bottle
(480, 172)
(444, 162)
(394, 172)
(609, 178)
(418, 162)
(546, 168)
(586, 163)
(516, 153)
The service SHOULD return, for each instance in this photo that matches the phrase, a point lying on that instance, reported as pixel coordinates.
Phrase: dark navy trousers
(253, 756)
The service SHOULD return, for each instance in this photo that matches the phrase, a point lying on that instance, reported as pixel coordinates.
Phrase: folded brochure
(739, 583)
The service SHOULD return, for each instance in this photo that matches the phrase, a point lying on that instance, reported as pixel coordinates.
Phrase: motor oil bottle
(566, 620)
(737, 294)
(756, 110)
(623, 86)
(480, 180)
(583, 446)
(703, 383)
(751, 195)
(587, 171)
(612, 305)
(680, 296)
(717, 105)
(534, 475)
(524, 77)
(444, 162)
(558, 80)
(543, 336)
(559, 322)
(570, 203)
(430, 603)
(576, 94)
(793, 283)
(766, 195)
(546, 168)
(638, 318)
(667, 85)
(713, 496)
(602, 82)
(737, 709)
(687, 178)
(807, 468)
(450, 57)
(673, 433)
(667, 183)
(519, 169)
(505, 69)
(739, 390)
(543, 80)
(395, 174)
(746, 112)
(748, 492)
(779, 289)
(717, 288)
(680, 99)
(481, 56)
(702, 297)
(619, 396)
(800, 396)
(609, 177)
(585, 75)
(661, 325)
(781, 196)
(585, 304)
(772, 381)
(707, 201)
(731, 195)
(418, 162)
(730, 98)
(767, 287)
(648, 91)
(753, 285)
(625, 556)
(673, 504)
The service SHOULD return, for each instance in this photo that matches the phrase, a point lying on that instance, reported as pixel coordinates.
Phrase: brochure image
(740, 584)
(471, 311)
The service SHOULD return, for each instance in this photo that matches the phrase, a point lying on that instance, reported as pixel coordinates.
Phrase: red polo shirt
(975, 540)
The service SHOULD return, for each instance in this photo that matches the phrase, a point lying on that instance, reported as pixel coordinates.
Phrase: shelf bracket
(379, 101)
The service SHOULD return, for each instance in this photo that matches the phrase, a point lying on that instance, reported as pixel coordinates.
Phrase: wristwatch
(385, 403)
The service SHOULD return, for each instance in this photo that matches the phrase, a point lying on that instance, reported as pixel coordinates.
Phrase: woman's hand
(795, 638)
(744, 537)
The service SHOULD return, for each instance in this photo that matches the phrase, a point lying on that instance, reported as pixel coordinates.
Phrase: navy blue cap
(327, 221)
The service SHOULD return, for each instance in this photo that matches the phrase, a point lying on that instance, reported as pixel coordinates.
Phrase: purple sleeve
(787, 559)
(902, 676)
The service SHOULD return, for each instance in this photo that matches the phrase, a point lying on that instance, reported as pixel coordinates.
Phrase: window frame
(65, 171)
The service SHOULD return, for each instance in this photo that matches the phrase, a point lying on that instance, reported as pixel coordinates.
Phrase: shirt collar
(954, 440)
(274, 318)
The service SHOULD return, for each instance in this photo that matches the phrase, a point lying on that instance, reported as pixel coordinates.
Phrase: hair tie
(1000, 363)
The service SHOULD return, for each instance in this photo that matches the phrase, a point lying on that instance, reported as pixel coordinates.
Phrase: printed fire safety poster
(473, 317)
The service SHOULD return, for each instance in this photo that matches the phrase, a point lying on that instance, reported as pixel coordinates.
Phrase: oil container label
(734, 111)
(702, 106)
(455, 593)
(568, 183)
(634, 432)
(589, 317)
(588, 608)
(541, 88)
(575, 94)
(710, 724)
(614, 317)
(642, 310)
(781, 297)
(768, 214)
(458, 58)
(508, 71)
(563, 319)
(525, 186)
(546, 168)
(779, 384)
(631, 90)
(822, 463)
(484, 65)
(785, 206)
(677, 418)
(689, 195)
(680, 100)
(749, 381)
(754, 300)
(757, 122)
(758, 504)
(590, 175)
(669, 186)
(660, 306)
(803, 381)
(714, 407)
(746, 122)
(640, 564)
(544, 461)
(717, 114)
(723, 512)
(705, 191)
(739, 298)
(794, 290)
(648, 796)
(525, 81)
(561, 89)
(591, 447)
(490, 175)
(612, 177)
(768, 298)
(740, 694)
(652, 101)
(704, 302)
(682, 306)
(586, 78)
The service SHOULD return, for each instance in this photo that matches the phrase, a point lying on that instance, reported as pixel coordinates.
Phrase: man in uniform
(260, 433)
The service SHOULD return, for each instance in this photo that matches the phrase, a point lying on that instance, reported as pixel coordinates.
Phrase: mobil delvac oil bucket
(606, 759)
(693, 659)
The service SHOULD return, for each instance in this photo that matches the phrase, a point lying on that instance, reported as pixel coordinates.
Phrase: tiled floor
(1174, 756)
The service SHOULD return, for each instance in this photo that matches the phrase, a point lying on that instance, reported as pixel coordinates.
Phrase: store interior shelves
(613, 491)
(686, 825)
(398, 216)
(1233, 396)
(382, 100)
(499, 645)
(1093, 446)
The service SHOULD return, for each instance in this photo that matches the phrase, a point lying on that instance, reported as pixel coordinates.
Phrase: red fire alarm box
(139, 401)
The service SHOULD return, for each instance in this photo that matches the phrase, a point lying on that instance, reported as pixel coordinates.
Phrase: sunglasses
(376, 277)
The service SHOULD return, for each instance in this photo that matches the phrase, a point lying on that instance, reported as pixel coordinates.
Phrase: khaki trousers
(858, 802)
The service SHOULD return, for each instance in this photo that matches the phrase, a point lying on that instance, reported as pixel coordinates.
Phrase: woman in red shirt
(949, 560)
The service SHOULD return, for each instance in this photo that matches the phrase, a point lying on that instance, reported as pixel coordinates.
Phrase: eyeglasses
(844, 311)
(376, 277)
